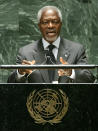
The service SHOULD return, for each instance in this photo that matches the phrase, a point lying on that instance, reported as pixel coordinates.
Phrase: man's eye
(55, 21)
(44, 22)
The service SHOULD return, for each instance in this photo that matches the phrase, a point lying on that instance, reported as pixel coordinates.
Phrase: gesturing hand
(26, 71)
(66, 72)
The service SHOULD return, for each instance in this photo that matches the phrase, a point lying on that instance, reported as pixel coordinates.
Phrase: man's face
(50, 25)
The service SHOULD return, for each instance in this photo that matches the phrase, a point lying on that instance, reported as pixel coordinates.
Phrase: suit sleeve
(13, 78)
(83, 75)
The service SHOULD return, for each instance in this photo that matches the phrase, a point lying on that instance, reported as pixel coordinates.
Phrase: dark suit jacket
(72, 52)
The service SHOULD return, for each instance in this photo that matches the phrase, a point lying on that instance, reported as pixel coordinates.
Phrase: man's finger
(63, 61)
(28, 71)
(33, 61)
(28, 62)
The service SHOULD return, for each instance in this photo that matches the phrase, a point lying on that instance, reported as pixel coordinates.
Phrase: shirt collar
(46, 44)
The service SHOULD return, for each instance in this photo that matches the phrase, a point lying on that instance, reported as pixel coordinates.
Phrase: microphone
(48, 57)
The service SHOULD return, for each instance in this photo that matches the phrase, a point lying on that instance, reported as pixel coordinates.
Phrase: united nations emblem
(47, 105)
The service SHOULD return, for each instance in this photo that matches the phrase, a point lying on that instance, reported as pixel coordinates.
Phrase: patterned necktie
(51, 60)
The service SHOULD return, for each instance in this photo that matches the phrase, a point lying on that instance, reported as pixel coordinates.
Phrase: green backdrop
(18, 26)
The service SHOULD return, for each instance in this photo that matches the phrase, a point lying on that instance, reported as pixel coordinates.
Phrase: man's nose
(50, 25)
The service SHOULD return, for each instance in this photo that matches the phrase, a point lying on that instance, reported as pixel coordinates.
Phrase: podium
(48, 107)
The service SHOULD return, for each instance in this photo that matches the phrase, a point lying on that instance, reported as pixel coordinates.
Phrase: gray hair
(48, 7)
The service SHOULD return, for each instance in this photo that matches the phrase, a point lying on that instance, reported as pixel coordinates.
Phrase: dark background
(82, 114)
(18, 26)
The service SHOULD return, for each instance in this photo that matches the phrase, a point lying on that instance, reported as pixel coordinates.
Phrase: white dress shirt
(55, 43)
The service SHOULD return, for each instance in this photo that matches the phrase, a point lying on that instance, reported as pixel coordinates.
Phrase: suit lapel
(63, 52)
(40, 59)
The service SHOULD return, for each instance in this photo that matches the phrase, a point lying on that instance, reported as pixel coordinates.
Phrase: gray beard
(51, 39)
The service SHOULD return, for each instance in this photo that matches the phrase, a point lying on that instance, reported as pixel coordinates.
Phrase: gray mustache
(50, 31)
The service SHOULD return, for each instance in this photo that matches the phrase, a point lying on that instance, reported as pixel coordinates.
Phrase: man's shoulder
(29, 48)
(71, 44)
(30, 45)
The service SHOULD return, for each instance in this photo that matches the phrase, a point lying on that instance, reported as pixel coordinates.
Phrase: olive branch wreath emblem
(38, 118)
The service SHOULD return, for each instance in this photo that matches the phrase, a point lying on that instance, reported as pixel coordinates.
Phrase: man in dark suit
(51, 49)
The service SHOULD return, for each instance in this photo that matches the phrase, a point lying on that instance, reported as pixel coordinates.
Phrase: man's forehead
(50, 10)
(49, 17)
